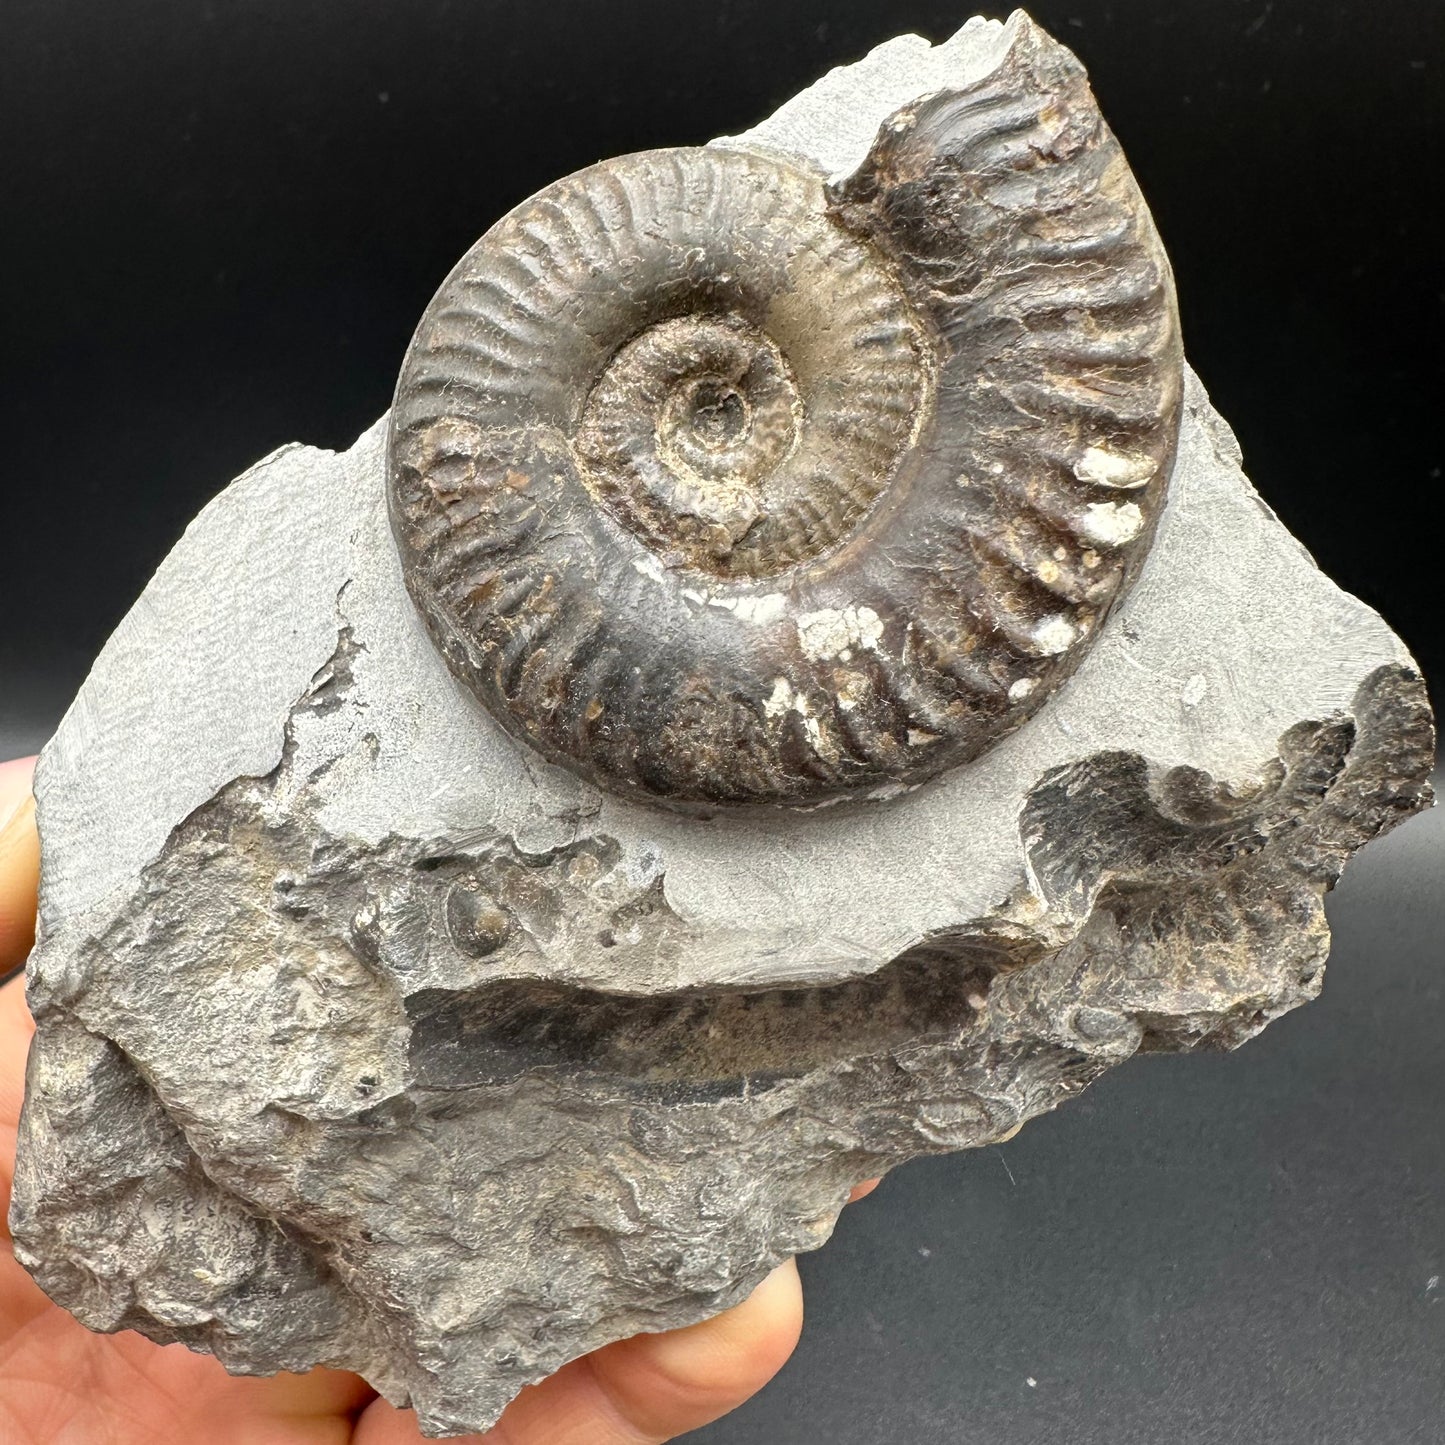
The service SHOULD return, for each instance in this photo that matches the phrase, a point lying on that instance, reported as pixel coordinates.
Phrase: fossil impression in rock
(798, 681)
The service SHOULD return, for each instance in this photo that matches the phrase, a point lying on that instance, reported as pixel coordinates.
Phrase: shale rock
(367, 1037)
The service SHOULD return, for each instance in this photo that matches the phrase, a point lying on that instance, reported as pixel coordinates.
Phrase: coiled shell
(721, 486)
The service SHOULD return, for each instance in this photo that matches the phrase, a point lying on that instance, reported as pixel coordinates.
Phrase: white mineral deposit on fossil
(689, 758)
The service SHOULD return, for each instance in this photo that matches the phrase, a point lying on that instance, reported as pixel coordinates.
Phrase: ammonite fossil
(721, 484)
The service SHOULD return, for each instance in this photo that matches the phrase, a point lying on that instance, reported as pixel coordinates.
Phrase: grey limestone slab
(367, 1037)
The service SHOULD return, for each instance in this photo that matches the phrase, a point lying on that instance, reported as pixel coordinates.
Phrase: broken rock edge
(1379, 778)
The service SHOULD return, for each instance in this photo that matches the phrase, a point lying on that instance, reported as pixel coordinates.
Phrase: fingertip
(666, 1384)
(753, 1339)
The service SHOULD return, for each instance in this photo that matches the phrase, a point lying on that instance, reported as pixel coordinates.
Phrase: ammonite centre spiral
(721, 485)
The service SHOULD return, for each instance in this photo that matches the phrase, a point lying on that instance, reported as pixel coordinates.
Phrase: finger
(19, 877)
(19, 863)
(666, 1384)
(62, 1384)
(15, 780)
(16, 1028)
(644, 1390)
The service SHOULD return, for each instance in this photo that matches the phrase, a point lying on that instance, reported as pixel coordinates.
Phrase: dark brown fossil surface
(722, 485)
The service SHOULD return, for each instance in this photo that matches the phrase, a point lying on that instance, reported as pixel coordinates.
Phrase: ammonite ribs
(723, 486)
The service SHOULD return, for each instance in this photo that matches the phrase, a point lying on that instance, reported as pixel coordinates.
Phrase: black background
(219, 223)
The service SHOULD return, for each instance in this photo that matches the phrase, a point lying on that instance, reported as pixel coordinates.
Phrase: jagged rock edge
(1316, 855)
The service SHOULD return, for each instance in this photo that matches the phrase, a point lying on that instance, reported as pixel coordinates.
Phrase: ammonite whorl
(722, 486)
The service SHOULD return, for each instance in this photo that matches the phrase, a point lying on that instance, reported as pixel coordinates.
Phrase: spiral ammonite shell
(723, 486)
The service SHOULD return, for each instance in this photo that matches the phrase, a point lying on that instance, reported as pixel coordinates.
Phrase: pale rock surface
(367, 1038)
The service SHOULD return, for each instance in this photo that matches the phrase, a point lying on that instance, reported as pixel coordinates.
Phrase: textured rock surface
(366, 1037)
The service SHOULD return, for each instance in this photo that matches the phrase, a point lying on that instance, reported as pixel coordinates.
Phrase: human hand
(61, 1384)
